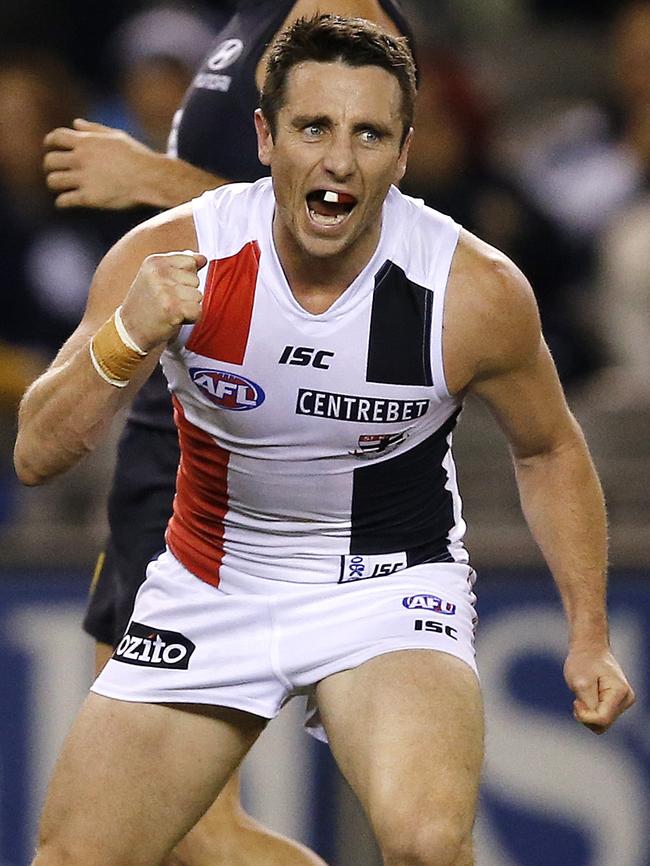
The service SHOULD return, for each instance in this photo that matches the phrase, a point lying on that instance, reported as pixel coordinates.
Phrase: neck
(316, 282)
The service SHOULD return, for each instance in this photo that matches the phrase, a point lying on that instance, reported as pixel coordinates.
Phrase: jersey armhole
(446, 249)
(205, 224)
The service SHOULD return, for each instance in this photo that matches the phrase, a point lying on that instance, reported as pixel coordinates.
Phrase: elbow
(37, 462)
(27, 469)
(26, 472)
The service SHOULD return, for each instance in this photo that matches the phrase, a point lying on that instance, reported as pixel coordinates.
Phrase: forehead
(336, 89)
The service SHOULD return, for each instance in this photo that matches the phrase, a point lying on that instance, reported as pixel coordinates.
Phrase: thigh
(133, 778)
(406, 729)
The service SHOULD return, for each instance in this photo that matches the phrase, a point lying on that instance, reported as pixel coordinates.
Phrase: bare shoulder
(491, 320)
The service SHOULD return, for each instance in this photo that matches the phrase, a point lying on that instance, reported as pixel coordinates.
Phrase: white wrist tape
(125, 337)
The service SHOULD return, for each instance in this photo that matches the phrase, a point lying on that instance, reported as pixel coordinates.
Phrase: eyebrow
(303, 120)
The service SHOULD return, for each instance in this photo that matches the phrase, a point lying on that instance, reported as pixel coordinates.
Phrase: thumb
(587, 697)
(199, 258)
(88, 125)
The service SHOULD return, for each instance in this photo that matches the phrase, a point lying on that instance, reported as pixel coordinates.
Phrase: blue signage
(552, 792)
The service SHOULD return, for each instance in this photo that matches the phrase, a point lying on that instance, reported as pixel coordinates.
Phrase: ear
(264, 138)
(402, 159)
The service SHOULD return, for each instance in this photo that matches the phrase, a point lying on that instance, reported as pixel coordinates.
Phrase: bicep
(529, 405)
(118, 269)
(494, 348)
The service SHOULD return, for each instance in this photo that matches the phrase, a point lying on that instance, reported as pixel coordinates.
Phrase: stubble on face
(337, 141)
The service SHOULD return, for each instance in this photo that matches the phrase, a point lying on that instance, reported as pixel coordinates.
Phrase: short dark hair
(331, 38)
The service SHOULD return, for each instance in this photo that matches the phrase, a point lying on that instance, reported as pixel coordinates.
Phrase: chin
(325, 248)
(322, 247)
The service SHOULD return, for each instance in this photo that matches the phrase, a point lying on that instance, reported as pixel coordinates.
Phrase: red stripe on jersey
(222, 331)
(196, 529)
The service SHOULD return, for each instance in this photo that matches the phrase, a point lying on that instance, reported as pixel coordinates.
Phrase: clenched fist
(163, 296)
(601, 689)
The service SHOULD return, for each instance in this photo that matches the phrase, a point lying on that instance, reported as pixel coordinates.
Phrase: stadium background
(534, 130)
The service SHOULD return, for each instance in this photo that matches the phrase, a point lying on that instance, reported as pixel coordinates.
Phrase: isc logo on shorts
(431, 625)
(148, 646)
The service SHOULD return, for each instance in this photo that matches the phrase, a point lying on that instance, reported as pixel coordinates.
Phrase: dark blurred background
(532, 130)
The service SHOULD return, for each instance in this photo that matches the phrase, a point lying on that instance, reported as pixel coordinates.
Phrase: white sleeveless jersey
(314, 448)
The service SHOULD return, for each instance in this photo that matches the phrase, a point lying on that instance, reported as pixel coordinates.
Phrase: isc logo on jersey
(147, 646)
(228, 390)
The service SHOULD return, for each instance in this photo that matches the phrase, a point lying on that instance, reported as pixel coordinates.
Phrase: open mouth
(328, 207)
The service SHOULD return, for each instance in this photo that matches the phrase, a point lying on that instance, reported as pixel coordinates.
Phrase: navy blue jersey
(214, 128)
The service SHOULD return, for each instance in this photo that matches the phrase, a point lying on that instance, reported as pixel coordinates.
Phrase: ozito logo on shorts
(153, 647)
(429, 602)
(228, 390)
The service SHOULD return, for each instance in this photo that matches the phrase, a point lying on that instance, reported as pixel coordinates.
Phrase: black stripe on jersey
(400, 330)
(402, 504)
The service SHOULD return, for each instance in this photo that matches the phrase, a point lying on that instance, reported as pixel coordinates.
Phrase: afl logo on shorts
(429, 602)
(147, 646)
(228, 390)
(226, 54)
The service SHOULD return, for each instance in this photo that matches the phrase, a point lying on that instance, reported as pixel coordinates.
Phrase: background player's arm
(500, 356)
(91, 165)
(68, 409)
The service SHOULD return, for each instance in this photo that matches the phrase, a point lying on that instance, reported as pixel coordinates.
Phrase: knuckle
(152, 264)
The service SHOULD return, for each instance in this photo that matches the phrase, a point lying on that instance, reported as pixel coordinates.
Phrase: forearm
(167, 182)
(62, 417)
(563, 503)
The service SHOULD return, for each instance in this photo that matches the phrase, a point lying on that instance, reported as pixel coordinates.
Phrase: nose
(339, 158)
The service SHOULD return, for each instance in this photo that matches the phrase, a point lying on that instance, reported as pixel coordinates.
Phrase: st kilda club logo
(148, 646)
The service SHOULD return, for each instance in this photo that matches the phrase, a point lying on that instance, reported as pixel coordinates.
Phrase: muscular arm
(509, 367)
(92, 165)
(67, 410)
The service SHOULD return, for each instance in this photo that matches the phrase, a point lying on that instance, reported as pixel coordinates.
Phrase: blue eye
(313, 131)
(369, 136)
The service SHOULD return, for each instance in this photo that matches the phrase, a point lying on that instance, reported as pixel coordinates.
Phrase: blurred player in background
(212, 142)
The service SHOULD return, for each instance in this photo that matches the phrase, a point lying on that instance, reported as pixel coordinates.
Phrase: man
(95, 166)
(316, 542)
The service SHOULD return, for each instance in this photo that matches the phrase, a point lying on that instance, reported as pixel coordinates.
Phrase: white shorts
(254, 649)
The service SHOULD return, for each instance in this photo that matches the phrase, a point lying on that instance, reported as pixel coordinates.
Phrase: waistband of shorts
(278, 575)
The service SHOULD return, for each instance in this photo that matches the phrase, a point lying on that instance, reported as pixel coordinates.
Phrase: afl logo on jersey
(228, 390)
(225, 55)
